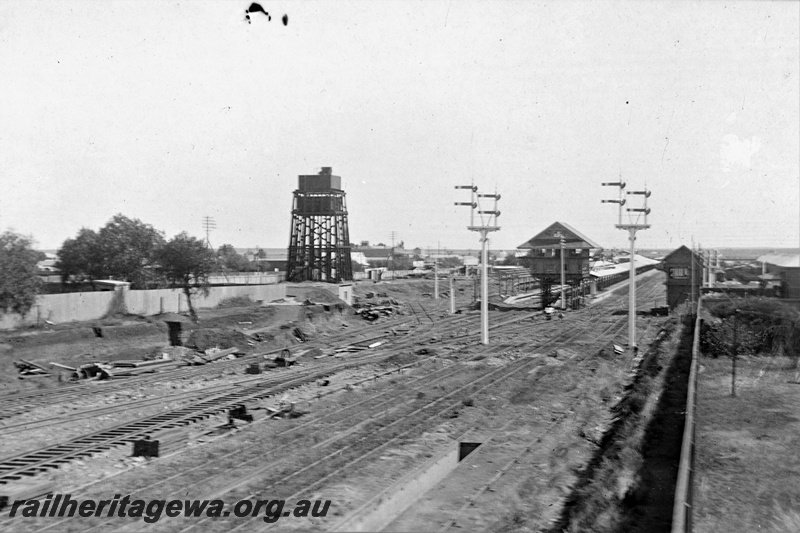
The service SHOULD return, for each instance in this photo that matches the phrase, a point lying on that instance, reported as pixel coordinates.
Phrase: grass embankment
(621, 484)
(747, 467)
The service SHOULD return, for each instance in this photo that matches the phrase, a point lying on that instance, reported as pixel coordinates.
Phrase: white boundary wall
(79, 306)
(174, 300)
(247, 279)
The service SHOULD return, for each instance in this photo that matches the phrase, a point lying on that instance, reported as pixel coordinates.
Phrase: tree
(128, 248)
(230, 260)
(763, 325)
(80, 259)
(19, 280)
(401, 262)
(510, 260)
(450, 262)
(186, 263)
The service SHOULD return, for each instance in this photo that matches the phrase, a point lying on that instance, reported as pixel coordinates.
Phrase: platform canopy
(551, 237)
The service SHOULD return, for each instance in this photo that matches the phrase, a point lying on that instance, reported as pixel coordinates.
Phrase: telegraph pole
(208, 225)
(691, 289)
(452, 296)
(734, 349)
(435, 278)
(563, 281)
(632, 226)
(486, 225)
(393, 235)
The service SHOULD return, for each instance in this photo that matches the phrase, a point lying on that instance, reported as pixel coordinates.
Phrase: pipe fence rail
(684, 493)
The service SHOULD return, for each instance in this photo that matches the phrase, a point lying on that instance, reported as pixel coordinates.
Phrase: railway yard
(366, 409)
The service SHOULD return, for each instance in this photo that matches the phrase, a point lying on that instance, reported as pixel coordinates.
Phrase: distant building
(785, 267)
(48, 264)
(684, 270)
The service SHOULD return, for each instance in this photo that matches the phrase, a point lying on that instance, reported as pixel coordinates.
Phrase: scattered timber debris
(212, 354)
(372, 312)
(281, 360)
(348, 349)
(285, 409)
(27, 369)
(122, 369)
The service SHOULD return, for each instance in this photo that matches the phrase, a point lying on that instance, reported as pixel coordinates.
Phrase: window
(678, 273)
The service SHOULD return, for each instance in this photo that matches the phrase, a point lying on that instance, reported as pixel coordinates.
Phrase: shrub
(236, 301)
(762, 325)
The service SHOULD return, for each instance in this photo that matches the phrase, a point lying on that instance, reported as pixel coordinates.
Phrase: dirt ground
(747, 475)
(251, 328)
(552, 413)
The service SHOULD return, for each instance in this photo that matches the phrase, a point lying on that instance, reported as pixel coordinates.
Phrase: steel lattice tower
(319, 243)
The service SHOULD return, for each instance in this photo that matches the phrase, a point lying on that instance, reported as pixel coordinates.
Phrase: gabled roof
(683, 250)
(551, 238)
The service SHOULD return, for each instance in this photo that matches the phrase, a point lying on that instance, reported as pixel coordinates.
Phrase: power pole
(435, 279)
(734, 349)
(393, 235)
(563, 280)
(486, 225)
(632, 226)
(691, 289)
(208, 225)
(452, 295)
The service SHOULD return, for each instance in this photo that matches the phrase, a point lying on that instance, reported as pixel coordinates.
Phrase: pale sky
(169, 112)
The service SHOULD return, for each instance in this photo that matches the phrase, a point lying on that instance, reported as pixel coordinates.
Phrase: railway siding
(544, 393)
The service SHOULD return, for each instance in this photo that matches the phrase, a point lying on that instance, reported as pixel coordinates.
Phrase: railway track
(29, 463)
(52, 456)
(412, 423)
(23, 406)
(422, 383)
(20, 403)
(449, 324)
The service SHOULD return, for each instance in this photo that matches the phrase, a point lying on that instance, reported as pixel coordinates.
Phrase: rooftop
(788, 260)
(552, 235)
